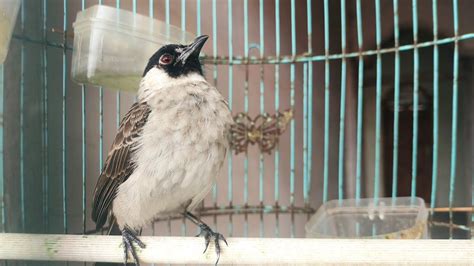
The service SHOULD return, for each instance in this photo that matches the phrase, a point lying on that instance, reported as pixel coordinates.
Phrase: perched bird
(168, 151)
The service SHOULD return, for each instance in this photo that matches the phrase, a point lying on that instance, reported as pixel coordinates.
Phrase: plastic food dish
(112, 46)
(384, 218)
(8, 13)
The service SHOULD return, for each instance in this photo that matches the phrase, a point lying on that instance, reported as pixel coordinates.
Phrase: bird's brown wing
(118, 166)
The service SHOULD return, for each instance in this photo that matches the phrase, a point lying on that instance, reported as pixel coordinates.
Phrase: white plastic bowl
(112, 46)
(8, 13)
(386, 218)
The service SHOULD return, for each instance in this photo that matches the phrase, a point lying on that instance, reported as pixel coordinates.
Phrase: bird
(168, 151)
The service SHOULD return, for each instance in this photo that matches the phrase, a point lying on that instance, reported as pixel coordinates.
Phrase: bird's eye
(166, 59)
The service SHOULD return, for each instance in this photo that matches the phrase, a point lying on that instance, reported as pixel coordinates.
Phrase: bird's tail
(113, 230)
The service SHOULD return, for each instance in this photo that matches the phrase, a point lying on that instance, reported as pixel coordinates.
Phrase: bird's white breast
(178, 156)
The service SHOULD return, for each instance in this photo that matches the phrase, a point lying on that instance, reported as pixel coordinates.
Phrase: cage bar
(360, 101)
(277, 97)
(310, 103)
(305, 131)
(230, 195)
(261, 167)
(277, 107)
(416, 66)
(342, 103)
(214, 53)
(292, 123)
(246, 110)
(83, 143)
(378, 107)
(327, 80)
(183, 27)
(22, 121)
(64, 115)
(434, 178)
(167, 11)
(396, 97)
(2, 152)
(118, 94)
(44, 118)
(452, 175)
(301, 58)
(183, 15)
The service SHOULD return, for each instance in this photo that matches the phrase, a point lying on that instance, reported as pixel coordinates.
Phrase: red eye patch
(166, 59)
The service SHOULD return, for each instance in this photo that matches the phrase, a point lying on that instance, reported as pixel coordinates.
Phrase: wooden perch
(240, 250)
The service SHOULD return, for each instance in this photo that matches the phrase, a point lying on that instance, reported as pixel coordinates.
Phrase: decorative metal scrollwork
(263, 130)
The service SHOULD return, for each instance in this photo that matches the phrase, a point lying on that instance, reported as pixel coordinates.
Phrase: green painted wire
(310, 104)
(246, 110)
(277, 106)
(326, 102)
(22, 122)
(378, 111)
(64, 121)
(261, 165)
(342, 103)
(83, 145)
(292, 104)
(396, 97)
(416, 67)
(230, 100)
(454, 126)
(2, 155)
(360, 102)
(434, 178)
(45, 128)
(214, 53)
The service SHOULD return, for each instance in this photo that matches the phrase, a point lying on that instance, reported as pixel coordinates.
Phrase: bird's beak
(193, 49)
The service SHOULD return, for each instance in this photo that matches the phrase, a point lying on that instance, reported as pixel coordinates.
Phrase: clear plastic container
(112, 46)
(8, 13)
(398, 218)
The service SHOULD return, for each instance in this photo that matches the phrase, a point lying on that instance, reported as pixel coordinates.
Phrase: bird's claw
(128, 238)
(208, 234)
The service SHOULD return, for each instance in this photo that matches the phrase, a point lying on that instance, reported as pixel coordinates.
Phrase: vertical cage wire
(64, 115)
(360, 101)
(309, 22)
(22, 93)
(261, 168)
(230, 101)
(327, 80)
(292, 123)
(378, 108)
(2, 179)
(277, 108)
(246, 109)
(45, 142)
(434, 178)
(342, 103)
(416, 66)
(452, 175)
(396, 100)
(214, 75)
(118, 95)
(198, 26)
(83, 146)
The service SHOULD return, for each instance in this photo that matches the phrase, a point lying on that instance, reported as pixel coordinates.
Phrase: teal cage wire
(381, 94)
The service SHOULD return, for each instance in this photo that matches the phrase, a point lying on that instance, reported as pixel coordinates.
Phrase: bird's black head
(178, 60)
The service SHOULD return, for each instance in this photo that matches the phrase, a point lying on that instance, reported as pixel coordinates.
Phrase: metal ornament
(263, 130)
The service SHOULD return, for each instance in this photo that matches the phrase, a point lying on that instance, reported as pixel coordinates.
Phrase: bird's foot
(129, 238)
(208, 234)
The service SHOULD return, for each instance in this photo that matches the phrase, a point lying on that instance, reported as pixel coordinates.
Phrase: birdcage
(372, 99)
